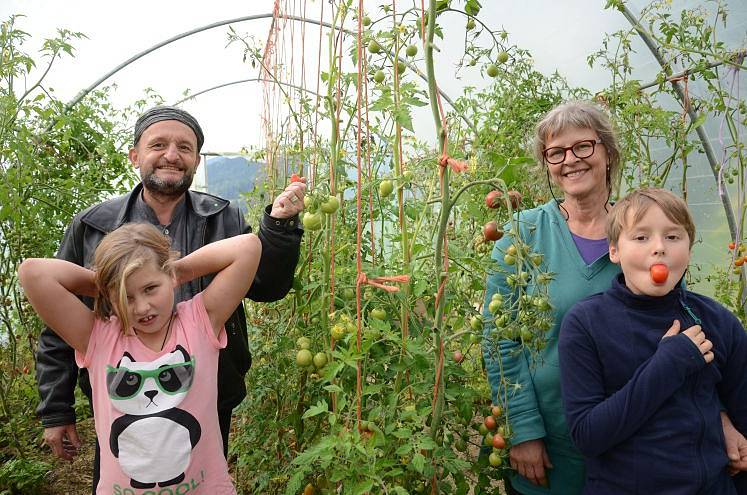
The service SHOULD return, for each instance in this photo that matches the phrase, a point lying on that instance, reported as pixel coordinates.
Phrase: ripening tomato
(496, 411)
(493, 199)
(490, 423)
(659, 273)
(515, 198)
(458, 357)
(491, 232)
(498, 441)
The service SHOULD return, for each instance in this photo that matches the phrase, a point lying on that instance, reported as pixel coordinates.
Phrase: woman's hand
(736, 446)
(530, 459)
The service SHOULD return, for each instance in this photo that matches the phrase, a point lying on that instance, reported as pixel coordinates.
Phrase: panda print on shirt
(153, 440)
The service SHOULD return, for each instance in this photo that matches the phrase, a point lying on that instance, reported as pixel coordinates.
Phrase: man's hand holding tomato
(290, 202)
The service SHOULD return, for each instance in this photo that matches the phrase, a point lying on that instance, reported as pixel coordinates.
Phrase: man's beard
(159, 186)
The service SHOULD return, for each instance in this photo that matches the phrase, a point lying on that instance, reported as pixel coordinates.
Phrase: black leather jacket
(208, 219)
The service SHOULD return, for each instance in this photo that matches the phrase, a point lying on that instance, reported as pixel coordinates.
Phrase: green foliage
(54, 162)
(23, 476)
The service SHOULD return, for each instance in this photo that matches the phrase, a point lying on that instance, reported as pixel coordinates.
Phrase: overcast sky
(559, 34)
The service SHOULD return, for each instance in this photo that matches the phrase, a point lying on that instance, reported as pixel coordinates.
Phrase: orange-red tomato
(490, 423)
(732, 245)
(659, 273)
(498, 441)
(296, 178)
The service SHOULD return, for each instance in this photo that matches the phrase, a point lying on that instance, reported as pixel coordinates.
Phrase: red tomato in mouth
(659, 273)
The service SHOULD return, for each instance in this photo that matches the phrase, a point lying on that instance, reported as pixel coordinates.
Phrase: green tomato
(494, 459)
(366, 20)
(330, 205)
(303, 343)
(304, 358)
(401, 67)
(320, 360)
(337, 331)
(374, 46)
(492, 70)
(385, 188)
(495, 306)
(509, 259)
(411, 50)
(379, 76)
(470, 24)
(312, 221)
(475, 323)
(378, 313)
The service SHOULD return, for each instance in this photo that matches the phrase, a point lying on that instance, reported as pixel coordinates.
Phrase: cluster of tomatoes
(494, 435)
(316, 205)
(305, 359)
(494, 200)
(740, 258)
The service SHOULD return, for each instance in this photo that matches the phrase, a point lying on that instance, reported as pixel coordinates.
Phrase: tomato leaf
(418, 462)
(362, 487)
(320, 408)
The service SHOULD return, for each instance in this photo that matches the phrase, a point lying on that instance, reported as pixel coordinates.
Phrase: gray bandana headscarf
(160, 113)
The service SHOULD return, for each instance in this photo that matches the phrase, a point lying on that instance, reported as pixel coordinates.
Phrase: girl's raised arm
(51, 286)
(234, 260)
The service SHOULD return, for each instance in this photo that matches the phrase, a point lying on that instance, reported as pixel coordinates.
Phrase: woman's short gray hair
(584, 115)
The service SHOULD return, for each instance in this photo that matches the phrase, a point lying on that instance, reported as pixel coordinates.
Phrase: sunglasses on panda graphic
(124, 383)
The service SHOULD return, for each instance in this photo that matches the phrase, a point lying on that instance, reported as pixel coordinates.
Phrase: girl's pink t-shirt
(156, 412)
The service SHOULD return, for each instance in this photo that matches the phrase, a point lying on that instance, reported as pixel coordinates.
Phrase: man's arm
(280, 234)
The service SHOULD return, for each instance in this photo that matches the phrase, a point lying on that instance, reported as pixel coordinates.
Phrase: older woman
(577, 146)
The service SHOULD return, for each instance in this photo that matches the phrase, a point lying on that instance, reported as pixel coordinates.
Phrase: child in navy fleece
(646, 366)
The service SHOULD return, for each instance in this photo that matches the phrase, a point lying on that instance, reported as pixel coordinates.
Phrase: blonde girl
(153, 366)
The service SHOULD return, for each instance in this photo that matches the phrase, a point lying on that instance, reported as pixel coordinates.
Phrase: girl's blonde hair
(117, 256)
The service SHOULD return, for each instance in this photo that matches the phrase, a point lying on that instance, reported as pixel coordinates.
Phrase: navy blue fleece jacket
(645, 411)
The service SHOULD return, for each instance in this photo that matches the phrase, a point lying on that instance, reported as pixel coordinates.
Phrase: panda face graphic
(142, 388)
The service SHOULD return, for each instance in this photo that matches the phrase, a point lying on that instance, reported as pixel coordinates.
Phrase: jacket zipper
(693, 390)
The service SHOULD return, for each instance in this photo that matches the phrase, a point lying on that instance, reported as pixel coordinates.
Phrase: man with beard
(166, 152)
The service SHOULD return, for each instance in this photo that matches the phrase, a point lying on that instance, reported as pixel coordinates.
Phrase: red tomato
(498, 441)
(515, 197)
(493, 199)
(659, 273)
(490, 423)
(296, 178)
(732, 245)
(491, 231)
